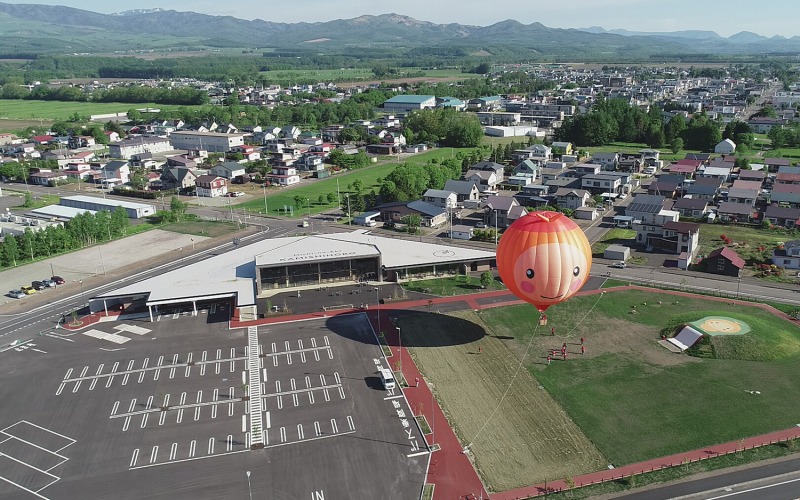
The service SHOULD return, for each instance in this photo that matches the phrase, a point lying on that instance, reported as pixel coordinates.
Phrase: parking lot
(184, 405)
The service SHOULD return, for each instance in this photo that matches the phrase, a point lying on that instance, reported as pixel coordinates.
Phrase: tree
(10, 251)
(358, 186)
(331, 197)
(299, 201)
(177, 208)
(412, 222)
(486, 279)
(321, 199)
(676, 145)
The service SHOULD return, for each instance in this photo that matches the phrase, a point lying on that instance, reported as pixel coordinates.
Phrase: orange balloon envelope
(544, 258)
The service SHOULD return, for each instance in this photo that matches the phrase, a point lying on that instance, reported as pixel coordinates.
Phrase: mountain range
(44, 29)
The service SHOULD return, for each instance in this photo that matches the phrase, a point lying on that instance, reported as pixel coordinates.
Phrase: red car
(58, 279)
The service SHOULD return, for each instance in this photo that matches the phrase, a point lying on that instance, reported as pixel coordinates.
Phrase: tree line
(83, 230)
(130, 94)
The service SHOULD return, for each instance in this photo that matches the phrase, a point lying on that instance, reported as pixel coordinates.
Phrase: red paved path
(450, 470)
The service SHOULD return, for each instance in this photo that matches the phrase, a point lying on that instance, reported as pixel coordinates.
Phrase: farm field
(278, 197)
(612, 387)
(529, 439)
(15, 109)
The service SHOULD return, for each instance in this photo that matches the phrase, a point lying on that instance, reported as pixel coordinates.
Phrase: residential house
(744, 192)
(691, 207)
(116, 170)
(283, 176)
(48, 178)
(228, 169)
(705, 188)
(430, 215)
(645, 209)
(572, 199)
(181, 161)
(703, 157)
(607, 161)
(562, 148)
(112, 136)
(582, 169)
(533, 195)
(782, 216)
(529, 167)
(723, 173)
(668, 185)
(81, 141)
(462, 232)
(310, 163)
(787, 257)
(676, 238)
(248, 152)
(502, 211)
(724, 261)
(763, 124)
(774, 164)
(737, 212)
(484, 179)
(541, 152)
(41, 140)
(725, 147)
(211, 186)
(752, 175)
(602, 183)
(490, 166)
(785, 194)
(464, 190)
(440, 198)
(180, 178)
(685, 168)
(143, 160)
(787, 178)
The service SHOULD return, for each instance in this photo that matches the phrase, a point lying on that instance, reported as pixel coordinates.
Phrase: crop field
(529, 439)
(634, 399)
(17, 109)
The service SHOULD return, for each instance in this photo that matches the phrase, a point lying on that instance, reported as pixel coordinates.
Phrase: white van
(387, 377)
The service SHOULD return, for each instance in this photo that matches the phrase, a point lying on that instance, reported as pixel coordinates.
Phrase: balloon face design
(550, 273)
(544, 258)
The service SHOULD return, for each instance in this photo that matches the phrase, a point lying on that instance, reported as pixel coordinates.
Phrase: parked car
(388, 224)
(27, 290)
(16, 294)
(236, 194)
(58, 279)
(38, 285)
(619, 265)
(49, 283)
(480, 225)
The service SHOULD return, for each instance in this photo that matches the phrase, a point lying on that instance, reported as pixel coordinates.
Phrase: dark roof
(425, 208)
(774, 211)
(647, 203)
(500, 202)
(752, 174)
(698, 156)
(487, 165)
(682, 227)
(729, 207)
(690, 204)
(728, 254)
(777, 161)
(459, 187)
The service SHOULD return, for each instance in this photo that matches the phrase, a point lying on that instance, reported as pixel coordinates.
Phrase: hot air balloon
(544, 259)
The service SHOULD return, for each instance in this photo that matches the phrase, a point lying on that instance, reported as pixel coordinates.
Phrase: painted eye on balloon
(529, 273)
(576, 271)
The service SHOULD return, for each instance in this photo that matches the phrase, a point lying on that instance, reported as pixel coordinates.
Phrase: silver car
(48, 283)
(16, 294)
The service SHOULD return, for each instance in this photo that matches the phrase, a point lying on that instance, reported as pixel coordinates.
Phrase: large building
(139, 145)
(134, 210)
(213, 142)
(407, 103)
(270, 266)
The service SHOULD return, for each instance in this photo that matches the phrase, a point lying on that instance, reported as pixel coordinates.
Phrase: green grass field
(616, 236)
(56, 110)
(278, 197)
(665, 402)
(211, 229)
(747, 240)
(358, 74)
(456, 285)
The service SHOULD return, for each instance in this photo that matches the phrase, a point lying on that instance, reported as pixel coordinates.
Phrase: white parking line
(269, 422)
(192, 446)
(350, 423)
(134, 457)
(173, 451)
(300, 434)
(126, 423)
(115, 408)
(94, 382)
(334, 426)
(229, 444)
(144, 421)
(154, 454)
(317, 429)
(244, 423)
(283, 434)
(210, 446)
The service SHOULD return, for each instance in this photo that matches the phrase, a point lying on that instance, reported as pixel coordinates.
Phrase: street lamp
(83, 300)
(266, 210)
(248, 485)
(400, 346)
(495, 226)
(378, 308)
(738, 284)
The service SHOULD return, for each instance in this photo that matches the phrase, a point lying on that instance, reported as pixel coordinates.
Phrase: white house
(229, 170)
(725, 147)
(440, 198)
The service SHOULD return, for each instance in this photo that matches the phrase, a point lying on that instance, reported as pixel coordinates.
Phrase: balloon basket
(543, 320)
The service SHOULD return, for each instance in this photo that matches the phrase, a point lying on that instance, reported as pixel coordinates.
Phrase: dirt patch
(518, 434)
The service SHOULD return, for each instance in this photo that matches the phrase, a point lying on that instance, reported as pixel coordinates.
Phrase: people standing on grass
(548, 360)
(583, 349)
(583, 339)
(553, 331)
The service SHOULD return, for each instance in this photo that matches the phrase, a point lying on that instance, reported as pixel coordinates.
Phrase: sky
(725, 17)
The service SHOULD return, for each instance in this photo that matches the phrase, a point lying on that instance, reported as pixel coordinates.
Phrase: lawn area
(208, 228)
(615, 236)
(612, 387)
(793, 153)
(278, 197)
(529, 439)
(456, 285)
(746, 240)
(18, 109)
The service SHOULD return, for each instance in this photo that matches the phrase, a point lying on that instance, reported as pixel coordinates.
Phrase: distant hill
(44, 29)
